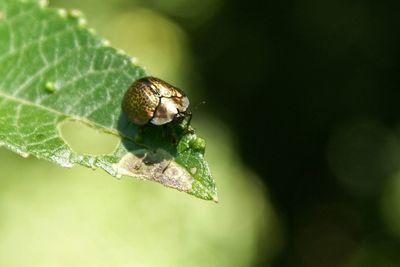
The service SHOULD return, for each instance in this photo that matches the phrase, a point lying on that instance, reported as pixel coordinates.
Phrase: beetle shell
(153, 100)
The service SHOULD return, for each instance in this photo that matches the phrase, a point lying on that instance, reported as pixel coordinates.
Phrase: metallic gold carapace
(153, 100)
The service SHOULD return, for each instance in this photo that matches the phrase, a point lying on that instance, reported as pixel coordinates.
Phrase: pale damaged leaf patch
(157, 166)
(54, 69)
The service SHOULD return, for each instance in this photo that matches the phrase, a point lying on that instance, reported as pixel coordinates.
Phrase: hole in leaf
(84, 139)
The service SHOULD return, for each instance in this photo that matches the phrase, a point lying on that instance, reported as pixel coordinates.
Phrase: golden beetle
(153, 100)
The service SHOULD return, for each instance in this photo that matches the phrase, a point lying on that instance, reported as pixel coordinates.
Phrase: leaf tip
(215, 198)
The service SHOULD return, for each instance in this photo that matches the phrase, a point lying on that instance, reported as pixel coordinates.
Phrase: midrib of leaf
(61, 114)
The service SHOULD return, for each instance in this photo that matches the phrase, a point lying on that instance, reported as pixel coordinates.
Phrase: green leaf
(53, 69)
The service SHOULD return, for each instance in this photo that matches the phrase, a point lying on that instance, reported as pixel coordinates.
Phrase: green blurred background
(302, 123)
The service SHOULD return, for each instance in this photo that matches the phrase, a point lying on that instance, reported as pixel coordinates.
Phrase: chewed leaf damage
(155, 166)
(54, 69)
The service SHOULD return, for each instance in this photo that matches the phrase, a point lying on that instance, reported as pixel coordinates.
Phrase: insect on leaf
(53, 69)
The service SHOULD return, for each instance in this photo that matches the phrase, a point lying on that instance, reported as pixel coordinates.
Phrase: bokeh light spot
(362, 155)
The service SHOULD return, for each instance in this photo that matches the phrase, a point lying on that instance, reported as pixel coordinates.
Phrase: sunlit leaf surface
(53, 69)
